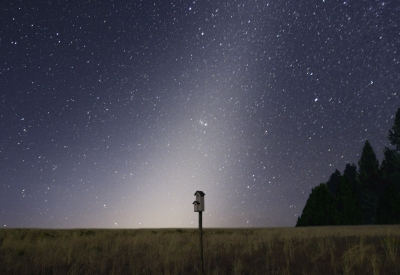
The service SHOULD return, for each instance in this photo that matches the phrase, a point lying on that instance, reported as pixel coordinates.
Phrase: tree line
(369, 194)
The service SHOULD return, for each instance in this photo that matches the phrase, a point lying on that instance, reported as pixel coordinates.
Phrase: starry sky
(113, 113)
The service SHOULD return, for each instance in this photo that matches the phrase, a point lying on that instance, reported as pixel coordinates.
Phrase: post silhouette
(199, 207)
(201, 241)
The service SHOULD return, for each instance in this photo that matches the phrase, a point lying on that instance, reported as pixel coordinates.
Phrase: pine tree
(394, 133)
(347, 204)
(391, 162)
(350, 173)
(388, 211)
(368, 187)
(391, 167)
(368, 165)
(319, 208)
(333, 182)
(389, 207)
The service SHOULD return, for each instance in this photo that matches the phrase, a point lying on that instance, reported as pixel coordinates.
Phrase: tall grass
(308, 250)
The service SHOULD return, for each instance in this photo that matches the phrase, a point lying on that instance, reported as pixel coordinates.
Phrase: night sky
(113, 113)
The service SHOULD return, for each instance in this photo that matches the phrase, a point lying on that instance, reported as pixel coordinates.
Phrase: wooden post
(199, 207)
(201, 241)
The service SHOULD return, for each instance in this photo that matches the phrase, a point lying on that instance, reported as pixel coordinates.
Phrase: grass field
(307, 250)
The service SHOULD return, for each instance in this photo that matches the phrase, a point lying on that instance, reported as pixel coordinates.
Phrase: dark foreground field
(312, 250)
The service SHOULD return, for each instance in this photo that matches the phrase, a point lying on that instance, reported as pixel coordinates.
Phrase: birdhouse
(199, 202)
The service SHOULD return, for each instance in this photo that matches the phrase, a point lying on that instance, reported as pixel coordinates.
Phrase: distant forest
(369, 194)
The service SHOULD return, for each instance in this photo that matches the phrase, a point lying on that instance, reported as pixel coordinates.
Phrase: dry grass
(307, 250)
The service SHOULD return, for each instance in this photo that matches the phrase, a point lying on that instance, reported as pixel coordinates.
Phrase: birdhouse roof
(201, 193)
